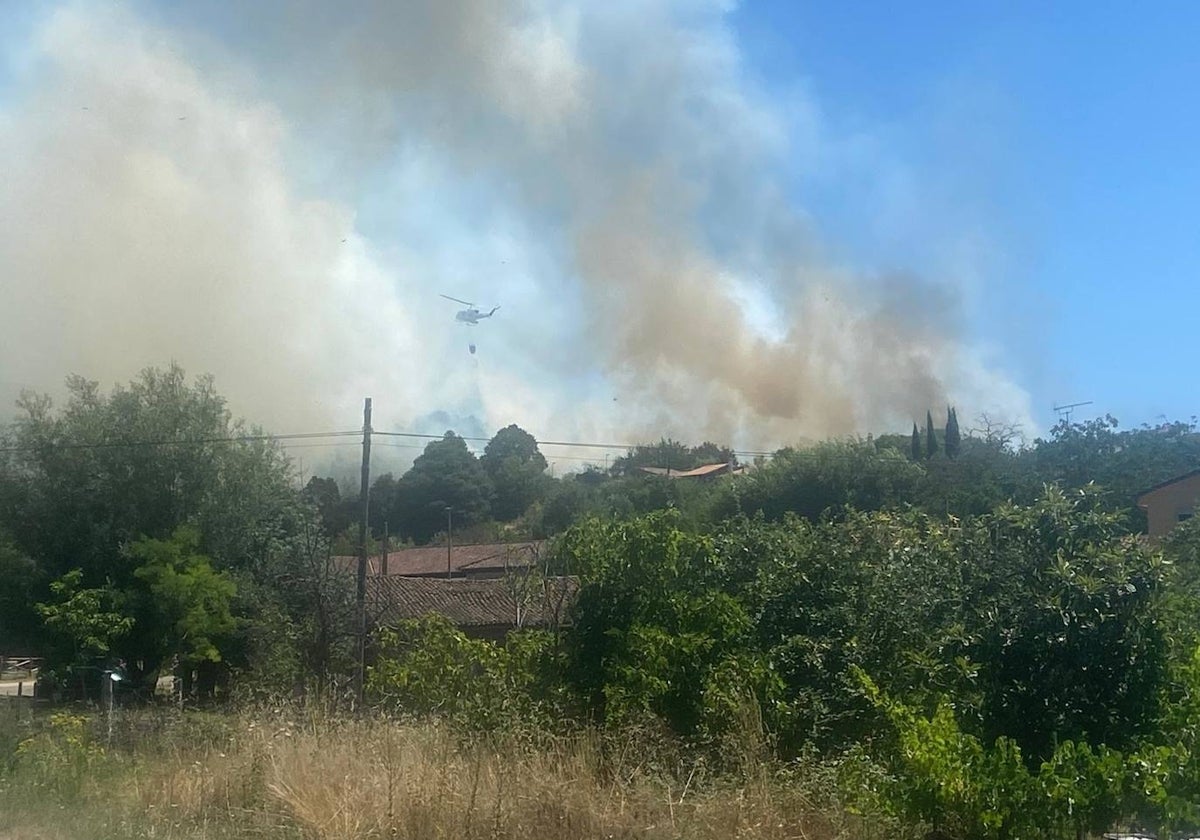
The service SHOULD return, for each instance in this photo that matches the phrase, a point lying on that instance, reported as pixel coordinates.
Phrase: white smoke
(283, 215)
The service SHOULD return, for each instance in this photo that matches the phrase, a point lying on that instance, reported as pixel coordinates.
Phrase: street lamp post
(107, 684)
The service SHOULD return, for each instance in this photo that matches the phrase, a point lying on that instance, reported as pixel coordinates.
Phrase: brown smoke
(625, 138)
(635, 130)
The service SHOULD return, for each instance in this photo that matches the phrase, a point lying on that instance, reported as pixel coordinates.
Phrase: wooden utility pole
(449, 540)
(383, 564)
(363, 525)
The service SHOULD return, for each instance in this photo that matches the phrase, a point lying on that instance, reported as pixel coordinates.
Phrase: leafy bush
(949, 780)
(427, 666)
(1064, 618)
(655, 629)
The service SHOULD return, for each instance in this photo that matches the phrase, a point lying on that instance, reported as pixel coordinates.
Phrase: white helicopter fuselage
(471, 317)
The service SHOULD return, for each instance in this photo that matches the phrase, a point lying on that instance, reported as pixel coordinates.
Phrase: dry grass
(329, 780)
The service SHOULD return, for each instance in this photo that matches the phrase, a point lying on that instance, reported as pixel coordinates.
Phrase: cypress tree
(953, 439)
(916, 443)
(930, 436)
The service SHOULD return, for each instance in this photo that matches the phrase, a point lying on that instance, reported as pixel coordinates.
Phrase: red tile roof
(488, 559)
(494, 602)
(702, 471)
(1163, 484)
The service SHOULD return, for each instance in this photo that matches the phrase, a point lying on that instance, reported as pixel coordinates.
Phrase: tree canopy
(978, 629)
(151, 508)
(515, 467)
(445, 476)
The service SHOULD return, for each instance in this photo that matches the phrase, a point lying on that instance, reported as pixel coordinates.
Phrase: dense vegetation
(146, 526)
(970, 472)
(966, 634)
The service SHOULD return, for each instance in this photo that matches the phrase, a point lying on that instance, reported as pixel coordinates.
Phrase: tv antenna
(1065, 411)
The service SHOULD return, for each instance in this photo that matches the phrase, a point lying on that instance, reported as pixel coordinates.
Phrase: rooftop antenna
(1065, 411)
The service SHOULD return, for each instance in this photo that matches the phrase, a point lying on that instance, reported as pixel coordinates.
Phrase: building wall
(1166, 505)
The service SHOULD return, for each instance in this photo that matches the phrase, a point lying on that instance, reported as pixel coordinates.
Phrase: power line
(286, 441)
(574, 444)
(137, 444)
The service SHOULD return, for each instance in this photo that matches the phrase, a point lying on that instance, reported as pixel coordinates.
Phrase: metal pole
(106, 700)
(363, 525)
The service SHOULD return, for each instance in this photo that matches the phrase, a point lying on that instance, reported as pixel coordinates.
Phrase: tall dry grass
(346, 780)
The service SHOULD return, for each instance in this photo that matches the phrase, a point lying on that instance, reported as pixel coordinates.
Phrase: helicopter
(470, 316)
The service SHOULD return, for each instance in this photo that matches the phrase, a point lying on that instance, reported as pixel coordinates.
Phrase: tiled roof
(509, 602)
(430, 560)
(698, 472)
(1167, 483)
(706, 469)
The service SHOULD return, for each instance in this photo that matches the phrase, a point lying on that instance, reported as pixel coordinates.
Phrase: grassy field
(163, 774)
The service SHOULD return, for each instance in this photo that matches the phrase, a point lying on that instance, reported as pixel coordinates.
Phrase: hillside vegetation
(944, 634)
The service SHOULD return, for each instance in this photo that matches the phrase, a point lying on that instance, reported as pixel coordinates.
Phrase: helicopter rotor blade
(457, 300)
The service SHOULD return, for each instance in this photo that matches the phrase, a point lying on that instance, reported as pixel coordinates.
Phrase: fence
(19, 667)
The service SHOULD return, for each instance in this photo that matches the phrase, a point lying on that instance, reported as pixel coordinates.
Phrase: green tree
(828, 478)
(664, 455)
(915, 453)
(173, 606)
(86, 623)
(875, 591)
(182, 603)
(958, 785)
(427, 666)
(931, 443)
(983, 476)
(515, 466)
(325, 495)
(445, 475)
(713, 453)
(384, 509)
(1122, 462)
(652, 632)
(295, 620)
(85, 481)
(953, 442)
(1065, 620)
(567, 502)
(671, 455)
(18, 585)
(149, 457)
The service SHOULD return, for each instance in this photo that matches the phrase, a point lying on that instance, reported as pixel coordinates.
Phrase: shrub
(426, 666)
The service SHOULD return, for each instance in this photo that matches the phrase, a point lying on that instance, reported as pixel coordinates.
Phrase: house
(488, 560)
(705, 471)
(485, 590)
(484, 608)
(1170, 503)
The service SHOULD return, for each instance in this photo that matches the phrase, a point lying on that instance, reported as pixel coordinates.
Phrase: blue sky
(1087, 128)
(873, 189)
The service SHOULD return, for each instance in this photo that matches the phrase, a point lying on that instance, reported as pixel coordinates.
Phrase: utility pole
(363, 525)
(449, 540)
(386, 550)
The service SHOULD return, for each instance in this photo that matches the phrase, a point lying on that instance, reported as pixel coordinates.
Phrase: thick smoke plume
(605, 171)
